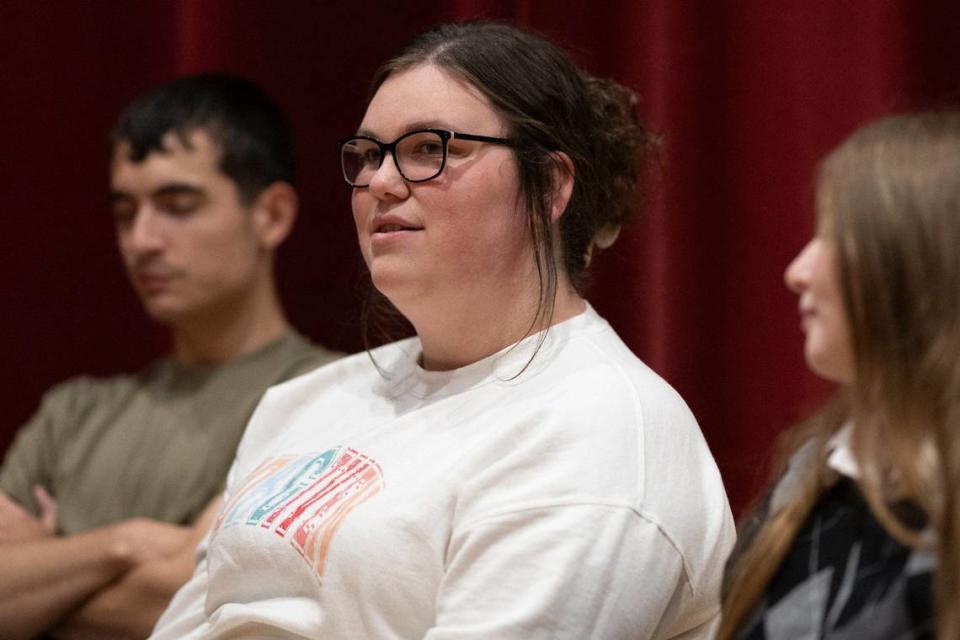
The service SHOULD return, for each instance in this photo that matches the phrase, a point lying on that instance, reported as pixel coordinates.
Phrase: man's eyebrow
(178, 188)
(171, 189)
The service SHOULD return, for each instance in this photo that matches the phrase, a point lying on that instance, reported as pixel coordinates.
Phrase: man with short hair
(107, 490)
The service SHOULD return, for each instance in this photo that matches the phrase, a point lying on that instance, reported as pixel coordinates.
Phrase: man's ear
(563, 178)
(274, 213)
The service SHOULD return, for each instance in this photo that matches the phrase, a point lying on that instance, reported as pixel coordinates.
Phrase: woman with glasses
(859, 538)
(513, 471)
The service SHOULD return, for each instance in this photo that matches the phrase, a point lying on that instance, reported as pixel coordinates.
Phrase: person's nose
(387, 181)
(797, 274)
(144, 233)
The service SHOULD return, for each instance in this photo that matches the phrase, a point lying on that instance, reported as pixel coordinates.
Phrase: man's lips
(153, 282)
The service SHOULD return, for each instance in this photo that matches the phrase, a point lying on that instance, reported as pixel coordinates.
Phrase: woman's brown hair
(889, 200)
(549, 106)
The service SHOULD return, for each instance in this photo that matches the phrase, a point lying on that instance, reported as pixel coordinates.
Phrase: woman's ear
(563, 177)
(274, 213)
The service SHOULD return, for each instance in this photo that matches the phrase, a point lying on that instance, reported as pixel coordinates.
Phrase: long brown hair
(889, 198)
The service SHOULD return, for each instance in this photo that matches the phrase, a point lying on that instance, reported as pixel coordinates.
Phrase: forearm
(130, 607)
(42, 580)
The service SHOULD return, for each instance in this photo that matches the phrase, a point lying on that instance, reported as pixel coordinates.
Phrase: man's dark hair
(252, 133)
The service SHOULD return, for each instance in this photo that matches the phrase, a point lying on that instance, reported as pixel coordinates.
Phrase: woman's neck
(456, 337)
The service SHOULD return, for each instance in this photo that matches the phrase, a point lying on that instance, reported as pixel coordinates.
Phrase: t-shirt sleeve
(31, 458)
(562, 572)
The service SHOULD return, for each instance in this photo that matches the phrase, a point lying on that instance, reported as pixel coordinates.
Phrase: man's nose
(145, 232)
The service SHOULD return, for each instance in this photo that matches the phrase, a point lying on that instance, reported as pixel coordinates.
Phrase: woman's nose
(797, 274)
(387, 180)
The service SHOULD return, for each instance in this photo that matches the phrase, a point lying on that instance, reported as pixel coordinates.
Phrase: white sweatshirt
(575, 500)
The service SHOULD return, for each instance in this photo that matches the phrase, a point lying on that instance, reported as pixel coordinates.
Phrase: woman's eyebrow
(413, 126)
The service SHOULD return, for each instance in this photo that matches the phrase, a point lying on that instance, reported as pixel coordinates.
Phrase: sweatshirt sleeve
(185, 617)
(566, 571)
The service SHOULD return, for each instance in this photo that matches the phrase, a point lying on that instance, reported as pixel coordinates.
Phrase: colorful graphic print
(304, 497)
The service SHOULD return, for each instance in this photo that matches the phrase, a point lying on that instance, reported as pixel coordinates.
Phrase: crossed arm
(111, 582)
(130, 606)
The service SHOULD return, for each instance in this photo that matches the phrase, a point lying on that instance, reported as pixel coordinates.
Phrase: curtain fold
(747, 96)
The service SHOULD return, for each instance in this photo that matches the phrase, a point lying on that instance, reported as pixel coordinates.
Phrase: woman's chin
(829, 366)
(400, 288)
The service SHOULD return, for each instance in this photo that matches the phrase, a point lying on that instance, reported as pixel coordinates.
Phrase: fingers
(48, 509)
(16, 523)
(150, 539)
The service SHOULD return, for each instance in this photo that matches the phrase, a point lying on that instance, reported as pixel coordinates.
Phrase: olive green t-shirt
(157, 444)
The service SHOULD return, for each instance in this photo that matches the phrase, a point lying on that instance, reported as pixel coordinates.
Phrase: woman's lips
(387, 236)
(390, 228)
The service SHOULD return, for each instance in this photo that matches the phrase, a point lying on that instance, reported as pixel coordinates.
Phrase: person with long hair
(858, 538)
(513, 470)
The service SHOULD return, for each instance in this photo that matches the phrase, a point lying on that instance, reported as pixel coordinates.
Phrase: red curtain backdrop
(746, 95)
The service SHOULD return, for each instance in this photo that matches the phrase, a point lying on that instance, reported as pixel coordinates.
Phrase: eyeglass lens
(419, 156)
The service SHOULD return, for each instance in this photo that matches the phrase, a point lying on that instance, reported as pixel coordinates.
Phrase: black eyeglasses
(419, 155)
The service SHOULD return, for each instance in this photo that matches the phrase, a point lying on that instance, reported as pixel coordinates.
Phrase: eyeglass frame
(445, 136)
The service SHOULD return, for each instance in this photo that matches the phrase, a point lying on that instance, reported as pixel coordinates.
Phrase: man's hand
(48, 509)
(44, 578)
(129, 607)
(18, 525)
(144, 540)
